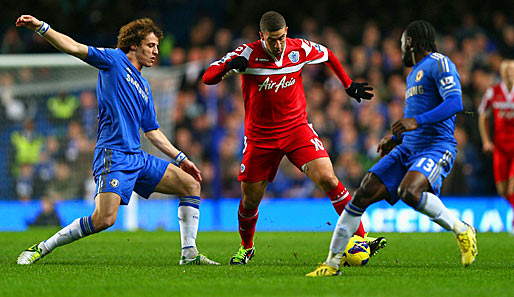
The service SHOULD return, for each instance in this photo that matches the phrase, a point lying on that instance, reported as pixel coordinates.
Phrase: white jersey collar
(277, 62)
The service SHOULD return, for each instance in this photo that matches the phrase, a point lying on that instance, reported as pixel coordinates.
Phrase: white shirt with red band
(501, 102)
(272, 87)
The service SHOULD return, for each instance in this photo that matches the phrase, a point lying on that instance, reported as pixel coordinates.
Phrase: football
(356, 253)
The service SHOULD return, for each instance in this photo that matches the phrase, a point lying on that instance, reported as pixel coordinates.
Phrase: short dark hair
(423, 36)
(134, 32)
(272, 21)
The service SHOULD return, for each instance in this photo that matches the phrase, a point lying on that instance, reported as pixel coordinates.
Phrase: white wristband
(179, 159)
(42, 30)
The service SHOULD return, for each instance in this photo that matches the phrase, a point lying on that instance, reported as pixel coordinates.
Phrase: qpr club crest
(294, 56)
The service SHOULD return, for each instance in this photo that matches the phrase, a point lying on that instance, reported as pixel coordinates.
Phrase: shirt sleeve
(314, 53)
(217, 70)
(149, 121)
(446, 77)
(485, 105)
(99, 57)
(447, 80)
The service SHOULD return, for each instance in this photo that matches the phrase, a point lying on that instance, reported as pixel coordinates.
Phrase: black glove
(240, 63)
(358, 91)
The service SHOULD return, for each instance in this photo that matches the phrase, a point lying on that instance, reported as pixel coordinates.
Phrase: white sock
(188, 218)
(81, 227)
(346, 226)
(434, 208)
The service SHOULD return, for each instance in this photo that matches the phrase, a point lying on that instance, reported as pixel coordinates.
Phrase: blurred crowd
(55, 160)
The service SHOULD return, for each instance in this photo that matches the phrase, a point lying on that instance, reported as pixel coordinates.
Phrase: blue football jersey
(431, 81)
(125, 102)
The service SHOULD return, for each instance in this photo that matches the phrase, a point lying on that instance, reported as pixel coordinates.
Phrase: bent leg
(321, 172)
(104, 216)
(370, 191)
(176, 181)
(415, 190)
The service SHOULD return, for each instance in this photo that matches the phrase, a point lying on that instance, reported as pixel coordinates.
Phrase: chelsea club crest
(419, 75)
(294, 56)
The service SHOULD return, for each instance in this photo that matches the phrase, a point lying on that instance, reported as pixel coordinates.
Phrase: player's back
(431, 81)
(500, 101)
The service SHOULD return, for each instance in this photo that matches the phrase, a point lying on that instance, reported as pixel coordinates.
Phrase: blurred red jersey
(272, 87)
(501, 102)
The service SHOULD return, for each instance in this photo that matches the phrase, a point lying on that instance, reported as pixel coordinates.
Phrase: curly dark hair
(134, 32)
(423, 36)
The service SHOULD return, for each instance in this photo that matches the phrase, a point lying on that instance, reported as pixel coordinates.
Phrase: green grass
(146, 264)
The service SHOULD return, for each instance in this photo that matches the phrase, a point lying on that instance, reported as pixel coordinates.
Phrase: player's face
(147, 52)
(406, 50)
(275, 41)
(507, 70)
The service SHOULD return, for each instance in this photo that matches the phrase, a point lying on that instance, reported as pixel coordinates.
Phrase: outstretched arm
(356, 90)
(160, 141)
(233, 62)
(60, 41)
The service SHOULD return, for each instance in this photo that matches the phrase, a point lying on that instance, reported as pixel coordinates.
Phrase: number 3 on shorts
(429, 165)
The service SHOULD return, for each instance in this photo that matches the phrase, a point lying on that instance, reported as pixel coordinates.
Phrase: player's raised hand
(359, 91)
(239, 63)
(191, 169)
(28, 22)
(386, 145)
(404, 125)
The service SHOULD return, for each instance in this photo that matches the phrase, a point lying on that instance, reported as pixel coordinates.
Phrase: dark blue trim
(195, 197)
(81, 220)
(355, 214)
(91, 224)
(189, 204)
(354, 208)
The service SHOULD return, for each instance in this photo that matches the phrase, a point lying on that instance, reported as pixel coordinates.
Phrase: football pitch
(146, 264)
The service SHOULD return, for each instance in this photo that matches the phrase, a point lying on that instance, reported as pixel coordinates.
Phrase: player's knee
(409, 194)
(192, 188)
(327, 180)
(103, 222)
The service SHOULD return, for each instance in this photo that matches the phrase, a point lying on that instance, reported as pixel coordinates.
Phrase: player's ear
(261, 36)
(408, 42)
(133, 47)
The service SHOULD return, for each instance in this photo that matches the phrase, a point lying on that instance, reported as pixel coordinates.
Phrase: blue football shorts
(434, 162)
(122, 173)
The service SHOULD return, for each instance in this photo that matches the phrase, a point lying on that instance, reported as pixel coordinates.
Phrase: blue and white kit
(125, 105)
(433, 97)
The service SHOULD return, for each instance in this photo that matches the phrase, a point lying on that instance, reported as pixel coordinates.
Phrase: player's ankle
(44, 250)
(190, 252)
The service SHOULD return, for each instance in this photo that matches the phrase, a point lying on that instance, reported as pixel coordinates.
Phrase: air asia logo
(294, 56)
(268, 84)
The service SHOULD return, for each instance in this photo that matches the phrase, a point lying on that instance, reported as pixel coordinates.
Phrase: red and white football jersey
(501, 102)
(272, 86)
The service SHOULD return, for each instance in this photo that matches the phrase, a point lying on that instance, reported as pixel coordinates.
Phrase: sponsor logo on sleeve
(447, 82)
